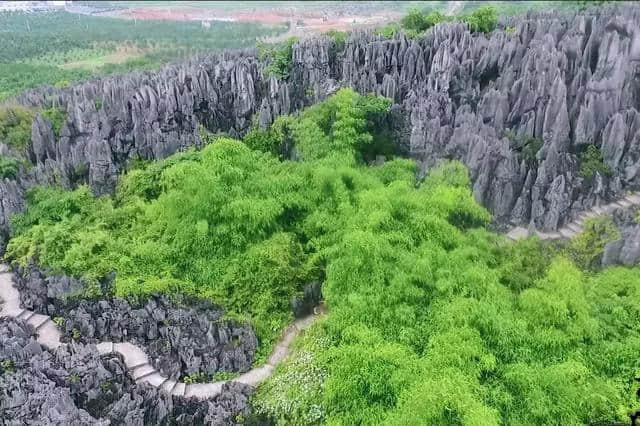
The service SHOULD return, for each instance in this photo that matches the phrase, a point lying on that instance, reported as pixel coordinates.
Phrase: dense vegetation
(432, 318)
(279, 56)
(480, 16)
(58, 48)
(416, 22)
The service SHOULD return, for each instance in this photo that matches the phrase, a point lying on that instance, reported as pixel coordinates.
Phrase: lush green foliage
(56, 117)
(418, 22)
(16, 122)
(242, 238)
(389, 30)
(8, 167)
(591, 162)
(280, 57)
(432, 319)
(527, 146)
(15, 126)
(482, 20)
(58, 48)
(586, 249)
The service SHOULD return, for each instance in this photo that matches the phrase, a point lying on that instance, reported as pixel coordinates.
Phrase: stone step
(278, 355)
(548, 235)
(105, 348)
(37, 320)
(567, 233)
(633, 198)
(256, 376)
(204, 390)
(44, 323)
(179, 390)
(168, 385)
(49, 335)
(574, 227)
(518, 233)
(624, 203)
(161, 385)
(133, 356)
(142, 364)
(11, 312)
(304, 323)
(597, 210)
(142, 371)
(25, 315)
(154, 378)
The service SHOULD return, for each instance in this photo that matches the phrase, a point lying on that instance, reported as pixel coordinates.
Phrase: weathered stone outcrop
(74, 385)
(626, 250)
(566, 79)
(179, 339)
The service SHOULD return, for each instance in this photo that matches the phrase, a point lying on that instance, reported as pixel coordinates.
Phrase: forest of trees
(41, 49)
(432, 318)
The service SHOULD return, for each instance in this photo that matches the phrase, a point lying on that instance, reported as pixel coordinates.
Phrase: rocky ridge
(136, 368)
(626, 250)
(75, 385)
(179, 338)
(567, 80)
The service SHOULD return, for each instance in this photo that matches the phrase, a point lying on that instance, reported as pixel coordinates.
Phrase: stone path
(135, 359)
(572, 229)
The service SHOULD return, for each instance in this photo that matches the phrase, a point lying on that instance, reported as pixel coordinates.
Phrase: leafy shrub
(416, 22)
(389, 30)
(339, 40)
(57, 117)
(592, 163)
(511, 31)
(280, 58)
(528, 146)
(15, 126)
(483, 20)
(586, 249)
(9, 167)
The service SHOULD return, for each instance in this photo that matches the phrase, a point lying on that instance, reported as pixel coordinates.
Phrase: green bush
(56, 117)
(9, 167)
(416, 22)
(280, 58)
(586, 249)
(389, 30)
(483, 20)
(339, 40)
(15, 126)
(528, 146)
(592, 163)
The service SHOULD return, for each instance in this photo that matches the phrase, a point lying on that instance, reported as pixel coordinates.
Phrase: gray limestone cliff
(565, 80)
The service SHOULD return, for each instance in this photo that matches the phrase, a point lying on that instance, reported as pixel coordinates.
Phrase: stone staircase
(135, 359)
(574, 228)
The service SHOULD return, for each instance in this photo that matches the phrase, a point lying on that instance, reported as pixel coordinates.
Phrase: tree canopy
(433, 319)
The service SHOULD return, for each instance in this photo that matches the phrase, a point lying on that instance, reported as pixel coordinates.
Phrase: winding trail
(572, 229)
(135, 359)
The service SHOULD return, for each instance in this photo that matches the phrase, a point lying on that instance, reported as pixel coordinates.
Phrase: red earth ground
(303, 22)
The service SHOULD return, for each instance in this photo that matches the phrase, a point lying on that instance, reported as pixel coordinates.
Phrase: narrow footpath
(572, 229)
(135, 358)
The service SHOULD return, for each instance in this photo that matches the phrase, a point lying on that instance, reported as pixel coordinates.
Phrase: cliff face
(567, 80)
